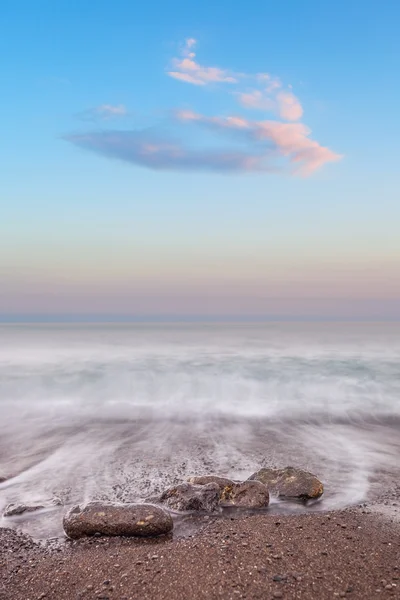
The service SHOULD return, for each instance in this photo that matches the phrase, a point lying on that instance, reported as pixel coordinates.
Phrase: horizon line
(84, 318)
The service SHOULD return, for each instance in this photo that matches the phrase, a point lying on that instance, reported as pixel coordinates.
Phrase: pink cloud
(290, 140)
(284, 103)
(256, 99)
(186, 77)
(188, 70)
(289, 106)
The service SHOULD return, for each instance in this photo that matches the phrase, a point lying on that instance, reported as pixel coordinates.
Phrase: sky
(200, 159)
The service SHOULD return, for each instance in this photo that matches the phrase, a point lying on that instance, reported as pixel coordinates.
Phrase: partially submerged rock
(204, 479)
(189, 497)
(290, 483)
(114, 519)
(249, 494)
(12, 510)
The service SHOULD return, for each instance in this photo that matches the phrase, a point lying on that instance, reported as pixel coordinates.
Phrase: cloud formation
(264, 145)
(188, 70)
(235, 143)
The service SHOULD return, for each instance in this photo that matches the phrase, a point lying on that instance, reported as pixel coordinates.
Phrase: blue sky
(192, 158)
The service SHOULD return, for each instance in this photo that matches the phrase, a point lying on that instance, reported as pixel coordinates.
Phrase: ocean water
(121, 411)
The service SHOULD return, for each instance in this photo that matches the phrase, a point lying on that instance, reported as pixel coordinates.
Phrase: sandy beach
(353, 553)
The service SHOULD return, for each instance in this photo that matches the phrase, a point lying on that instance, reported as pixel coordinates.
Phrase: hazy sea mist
(120, 411)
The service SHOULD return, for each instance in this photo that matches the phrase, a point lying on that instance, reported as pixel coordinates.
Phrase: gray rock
(249, 494)
(189, 497)
(113, 519)
(204, 479)
(290, 483)
(12, 510)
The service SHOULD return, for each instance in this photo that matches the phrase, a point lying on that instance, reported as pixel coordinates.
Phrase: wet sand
(353, 553)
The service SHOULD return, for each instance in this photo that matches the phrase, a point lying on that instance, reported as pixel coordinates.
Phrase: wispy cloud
(103, 112)
(187, 69)
(145, 149)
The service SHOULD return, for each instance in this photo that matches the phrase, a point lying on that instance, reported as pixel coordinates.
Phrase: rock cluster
(210, 492)
(114, 519)
(207, 493)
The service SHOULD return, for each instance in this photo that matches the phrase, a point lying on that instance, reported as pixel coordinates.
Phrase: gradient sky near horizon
(175, 158)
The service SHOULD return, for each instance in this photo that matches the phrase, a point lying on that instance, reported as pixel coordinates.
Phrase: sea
(121, 411)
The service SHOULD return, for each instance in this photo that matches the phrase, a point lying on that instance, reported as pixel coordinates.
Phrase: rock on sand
(204, 479)
(249, 494)
(189, 497)
(114, 519)
(290, 483)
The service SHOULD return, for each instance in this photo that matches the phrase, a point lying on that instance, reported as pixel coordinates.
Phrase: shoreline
(352, 553)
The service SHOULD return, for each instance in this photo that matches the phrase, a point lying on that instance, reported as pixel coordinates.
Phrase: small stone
(12, 510)
(278, 594)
